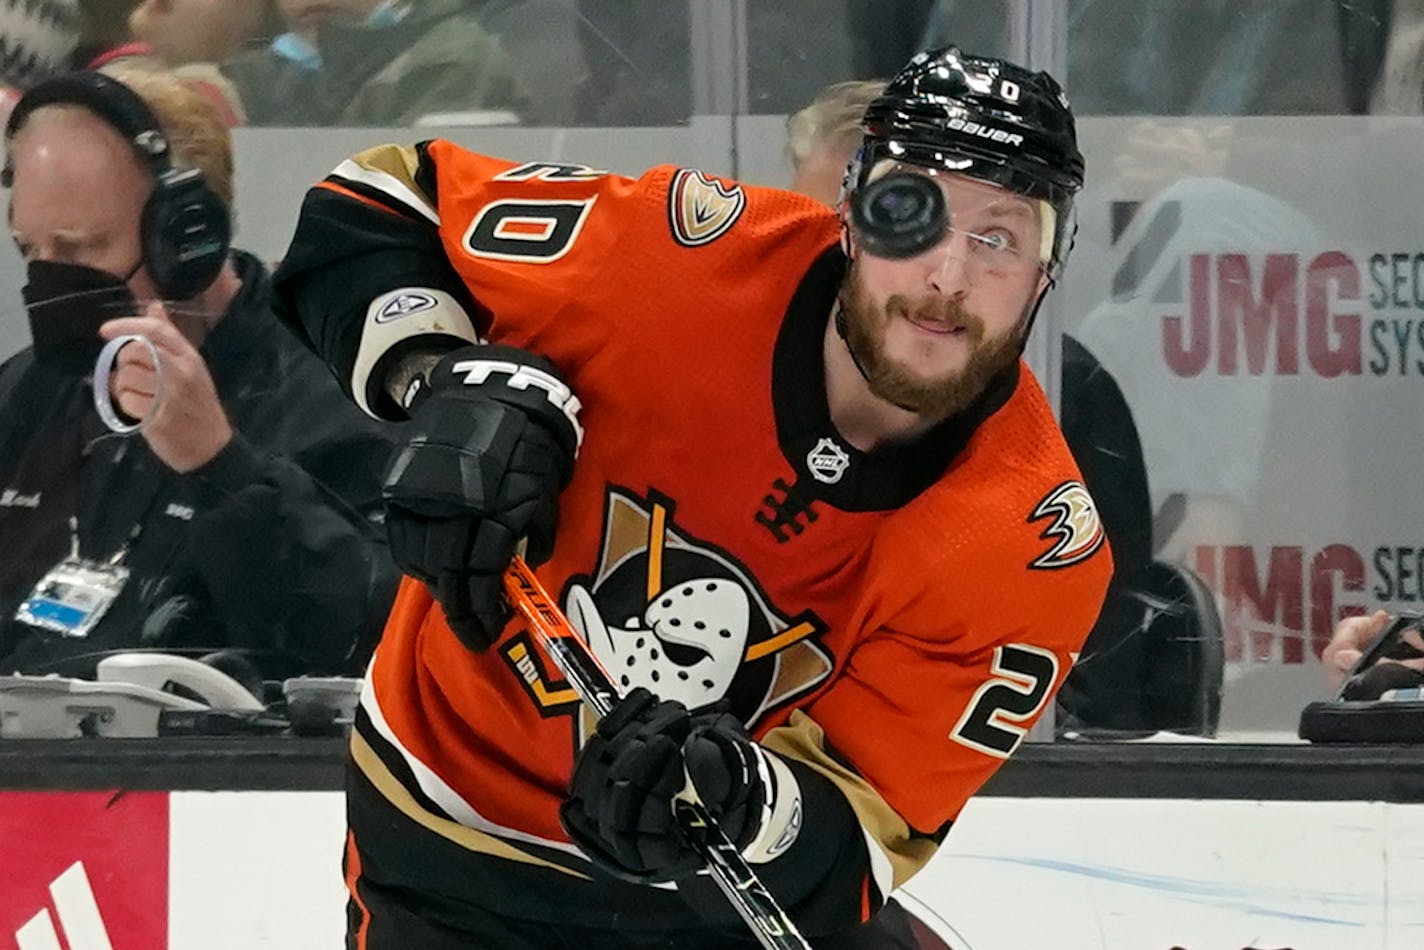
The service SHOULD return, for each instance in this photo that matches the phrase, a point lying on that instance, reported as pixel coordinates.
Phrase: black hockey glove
(642, 756)
(493, 440)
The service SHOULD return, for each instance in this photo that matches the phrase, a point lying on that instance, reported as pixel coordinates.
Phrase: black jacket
(1109, 685)
(274, 547)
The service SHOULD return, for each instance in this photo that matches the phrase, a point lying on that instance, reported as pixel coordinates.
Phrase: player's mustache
(936, 310)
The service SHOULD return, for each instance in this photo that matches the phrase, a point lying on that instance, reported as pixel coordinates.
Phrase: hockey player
(822, 526)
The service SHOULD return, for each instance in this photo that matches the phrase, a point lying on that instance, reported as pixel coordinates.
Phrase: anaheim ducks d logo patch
(702, 209)
(1076, 526)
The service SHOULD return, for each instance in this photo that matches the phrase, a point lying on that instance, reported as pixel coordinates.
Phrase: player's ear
(847, 238)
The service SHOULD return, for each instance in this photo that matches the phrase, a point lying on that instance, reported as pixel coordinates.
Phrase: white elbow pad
(400, 315)
(782, 813)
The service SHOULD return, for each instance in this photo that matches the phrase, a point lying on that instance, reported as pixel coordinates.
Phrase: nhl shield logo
(827, 461)
(702, 209)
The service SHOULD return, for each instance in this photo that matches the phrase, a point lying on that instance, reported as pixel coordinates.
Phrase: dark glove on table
(493, 440)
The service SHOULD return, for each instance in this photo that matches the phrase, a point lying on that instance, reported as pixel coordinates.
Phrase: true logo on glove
(524, 377)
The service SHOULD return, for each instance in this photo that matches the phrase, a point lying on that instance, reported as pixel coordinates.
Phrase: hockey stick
(756, 906)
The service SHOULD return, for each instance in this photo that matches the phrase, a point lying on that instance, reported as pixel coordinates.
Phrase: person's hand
(644, 754)
(184, 421)
(492, 443)
(1353, 636)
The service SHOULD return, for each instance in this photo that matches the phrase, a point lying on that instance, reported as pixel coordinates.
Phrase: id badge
(73, 596)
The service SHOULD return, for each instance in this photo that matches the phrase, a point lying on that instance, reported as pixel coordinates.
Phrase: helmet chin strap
(840, 322)
(840, 319)
(1033, 314)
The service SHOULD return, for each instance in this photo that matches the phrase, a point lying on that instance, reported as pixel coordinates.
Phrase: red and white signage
(84, 870)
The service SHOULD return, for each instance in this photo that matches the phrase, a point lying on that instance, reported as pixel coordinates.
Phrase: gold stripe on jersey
(391, 169)
(381, 778)
(784, 639)
(657, 525)
(804, 741)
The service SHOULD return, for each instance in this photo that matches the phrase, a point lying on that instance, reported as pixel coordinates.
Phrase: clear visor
(1004, 232)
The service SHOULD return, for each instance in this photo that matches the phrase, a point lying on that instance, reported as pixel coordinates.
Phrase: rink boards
(242, 870)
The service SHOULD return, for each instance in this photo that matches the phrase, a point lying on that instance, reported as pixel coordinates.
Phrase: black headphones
(185, 230)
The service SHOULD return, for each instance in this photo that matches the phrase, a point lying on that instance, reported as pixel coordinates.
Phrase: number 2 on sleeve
(993, 722)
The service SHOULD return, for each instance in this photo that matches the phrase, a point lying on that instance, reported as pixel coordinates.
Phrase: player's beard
(938, 397)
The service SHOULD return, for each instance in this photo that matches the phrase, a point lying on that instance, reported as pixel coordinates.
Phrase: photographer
(239, 510)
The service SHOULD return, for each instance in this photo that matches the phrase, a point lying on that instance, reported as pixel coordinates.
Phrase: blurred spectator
(822, 137)
(104, 33)
(1105, 689)
(203, 31)
(243, 512)
(42, 39)
(36, 39)
(191, 37)
(377, 62)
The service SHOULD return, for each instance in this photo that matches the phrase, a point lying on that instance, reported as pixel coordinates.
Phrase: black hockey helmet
(983, 118)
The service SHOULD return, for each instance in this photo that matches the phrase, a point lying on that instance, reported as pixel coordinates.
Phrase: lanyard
(103, 491)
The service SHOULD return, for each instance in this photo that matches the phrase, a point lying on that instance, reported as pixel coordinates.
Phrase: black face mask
(66, 304)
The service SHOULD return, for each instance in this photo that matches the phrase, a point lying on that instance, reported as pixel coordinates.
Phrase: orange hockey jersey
(896, 620)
